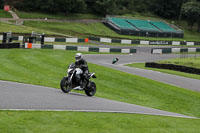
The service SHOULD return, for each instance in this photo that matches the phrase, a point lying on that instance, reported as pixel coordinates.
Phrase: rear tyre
(91, 90)
(64, 85)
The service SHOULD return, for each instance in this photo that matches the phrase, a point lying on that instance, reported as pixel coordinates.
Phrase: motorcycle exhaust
(78, 88)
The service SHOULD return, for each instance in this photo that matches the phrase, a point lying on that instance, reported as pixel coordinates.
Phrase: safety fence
(173, 50)
(143, 42)
(109, 40)
(50, 39)
(80, 48)
(66, 47)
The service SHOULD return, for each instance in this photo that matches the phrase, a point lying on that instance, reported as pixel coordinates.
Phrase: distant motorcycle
(70, 81)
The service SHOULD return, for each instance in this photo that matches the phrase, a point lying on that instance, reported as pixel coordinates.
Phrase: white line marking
(100, 111)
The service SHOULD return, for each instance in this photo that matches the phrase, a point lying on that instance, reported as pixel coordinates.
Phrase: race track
(18, 96)
(106, 60)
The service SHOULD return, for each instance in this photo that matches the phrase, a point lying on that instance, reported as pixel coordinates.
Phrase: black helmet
(78, 56)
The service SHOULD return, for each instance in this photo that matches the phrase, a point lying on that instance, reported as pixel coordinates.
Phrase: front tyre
(91, 90)
(64, 85)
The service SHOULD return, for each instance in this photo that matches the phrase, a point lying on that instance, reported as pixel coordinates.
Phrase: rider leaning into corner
(82, 64)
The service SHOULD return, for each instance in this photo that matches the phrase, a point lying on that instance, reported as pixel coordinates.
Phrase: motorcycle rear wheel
(91, 90)
(64, 85)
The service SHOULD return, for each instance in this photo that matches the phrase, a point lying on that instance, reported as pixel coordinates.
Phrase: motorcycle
(70, 81)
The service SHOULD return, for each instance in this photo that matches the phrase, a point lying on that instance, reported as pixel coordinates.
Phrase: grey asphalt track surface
(106, 60)
(18, 96)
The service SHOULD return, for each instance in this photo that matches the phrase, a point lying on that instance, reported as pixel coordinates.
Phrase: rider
(82, 64)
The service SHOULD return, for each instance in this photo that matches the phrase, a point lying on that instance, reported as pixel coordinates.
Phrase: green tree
(80, 7)
(103, 7)
(139, 5)
(191, 11)
(167, 8)
(49, 6)
(68, 6)
(1, 4)
(27, 5)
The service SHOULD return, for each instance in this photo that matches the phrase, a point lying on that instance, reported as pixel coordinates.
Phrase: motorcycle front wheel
(91, 89)
(64, 85)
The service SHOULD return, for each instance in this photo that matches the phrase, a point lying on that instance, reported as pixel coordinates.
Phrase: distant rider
(82, 64)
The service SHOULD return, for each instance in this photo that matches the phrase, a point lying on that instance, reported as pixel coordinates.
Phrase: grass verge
(4, 27)
(35, 15)
(47, 67)
(190, 62)
(80, 122)
(81, 30)
(4, 14)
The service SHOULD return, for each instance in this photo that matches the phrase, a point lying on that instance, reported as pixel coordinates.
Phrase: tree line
(188, 9)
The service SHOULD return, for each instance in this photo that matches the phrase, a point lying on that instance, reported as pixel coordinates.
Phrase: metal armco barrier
(173, 50)
(81, 48)
(144, 42)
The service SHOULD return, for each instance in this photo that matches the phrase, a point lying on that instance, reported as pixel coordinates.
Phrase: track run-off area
(19, 96)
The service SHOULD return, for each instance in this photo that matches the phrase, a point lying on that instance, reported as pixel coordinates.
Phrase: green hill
(84, 29)
(100, 30)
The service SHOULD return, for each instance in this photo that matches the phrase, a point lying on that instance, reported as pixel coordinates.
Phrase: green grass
(73, 28)
(35, 15)
(142, 66)
(4, 27)
(82, 30)
(80, 122)
(189, 62)
(191, 35)
(30, 66)
(12, 21)
(100, 30)
(4, 14)
(91, 29)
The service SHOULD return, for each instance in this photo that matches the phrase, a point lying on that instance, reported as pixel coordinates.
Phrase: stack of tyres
(9, 45)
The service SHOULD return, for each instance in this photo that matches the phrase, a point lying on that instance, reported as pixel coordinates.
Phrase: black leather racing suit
(82, 64)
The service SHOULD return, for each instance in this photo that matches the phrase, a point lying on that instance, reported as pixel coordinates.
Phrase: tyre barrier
(80, 48)
(9, 45)
(173, 50)
(173, 67)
